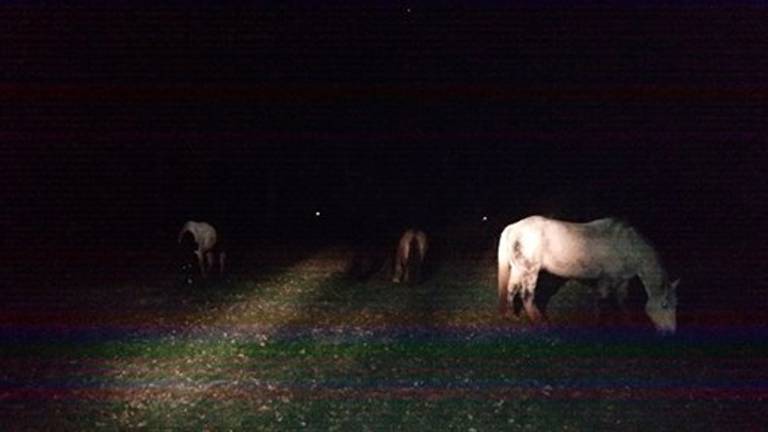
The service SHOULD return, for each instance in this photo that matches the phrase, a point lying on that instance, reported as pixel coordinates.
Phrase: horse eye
(664, 305)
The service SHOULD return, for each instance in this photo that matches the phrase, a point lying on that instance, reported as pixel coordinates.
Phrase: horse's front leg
(622, 292)
(603, 289)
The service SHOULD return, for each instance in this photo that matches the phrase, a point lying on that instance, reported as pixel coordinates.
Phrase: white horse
(208, 249)
(606, 250)
(409, 256)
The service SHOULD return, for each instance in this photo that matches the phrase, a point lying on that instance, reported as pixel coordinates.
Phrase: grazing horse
(606, 250)
(208, 247)
(409, 256)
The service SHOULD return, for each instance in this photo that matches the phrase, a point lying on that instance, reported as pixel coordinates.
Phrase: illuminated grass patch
(308, 347)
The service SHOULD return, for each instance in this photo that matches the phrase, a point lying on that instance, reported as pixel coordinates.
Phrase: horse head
(662, 309)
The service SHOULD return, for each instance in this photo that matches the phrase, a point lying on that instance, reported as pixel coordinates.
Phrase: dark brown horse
(409, 256)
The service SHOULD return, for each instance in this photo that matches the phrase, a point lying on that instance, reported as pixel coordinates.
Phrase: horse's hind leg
(528, 289)
(201, 261)
(222, 261)
(209, 261)
(406, 275)
(507, 299)
(398, 276)
(415, 273)
(415, 269)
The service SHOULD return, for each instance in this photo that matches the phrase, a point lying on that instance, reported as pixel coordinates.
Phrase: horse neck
(653, 275)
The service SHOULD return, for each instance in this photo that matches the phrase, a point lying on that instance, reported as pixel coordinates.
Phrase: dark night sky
(148, 117)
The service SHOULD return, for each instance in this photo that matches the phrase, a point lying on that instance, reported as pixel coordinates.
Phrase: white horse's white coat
(206, 238)
(607, 250)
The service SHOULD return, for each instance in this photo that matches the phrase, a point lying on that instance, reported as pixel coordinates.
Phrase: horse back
(204, 234)
(611, 248)
(601, 248)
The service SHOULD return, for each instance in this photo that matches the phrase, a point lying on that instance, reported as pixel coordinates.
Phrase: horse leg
(622, 292)
(398, 270)
(222, 260)
(201, 262)
(209, 260)
(513, 288)
(603, 291)
(420, 269)
(416, 274)
(503, 302)
(511, 281)
(528, 290)
(407, 264)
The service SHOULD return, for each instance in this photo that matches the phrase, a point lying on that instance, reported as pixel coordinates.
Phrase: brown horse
(606, 250)
(409, 256)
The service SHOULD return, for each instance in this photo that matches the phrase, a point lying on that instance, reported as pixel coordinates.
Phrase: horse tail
(182, 232)
(504, 272)
(503, 284)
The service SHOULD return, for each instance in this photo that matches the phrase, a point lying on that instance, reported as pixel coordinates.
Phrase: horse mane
(650, 245)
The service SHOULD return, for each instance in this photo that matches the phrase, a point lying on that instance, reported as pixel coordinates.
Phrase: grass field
(290, 341)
